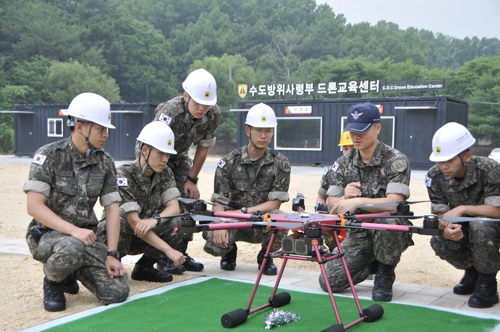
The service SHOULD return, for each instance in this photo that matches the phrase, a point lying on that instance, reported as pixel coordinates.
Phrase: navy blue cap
(360, 117)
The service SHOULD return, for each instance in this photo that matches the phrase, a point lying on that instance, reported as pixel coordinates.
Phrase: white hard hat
(201, 86)
(261, 116)
(158, 135)
(449, 141)
(91, 107)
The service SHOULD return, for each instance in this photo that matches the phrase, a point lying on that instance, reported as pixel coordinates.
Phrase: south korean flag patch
(122, 182)
(165, 118)
(428, 181)
(221, 163)
(325, 172)
(39, 159)
(335, 167)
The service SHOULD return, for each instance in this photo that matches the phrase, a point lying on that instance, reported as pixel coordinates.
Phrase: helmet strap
(90, 147)
(459, 170)
(146, 160)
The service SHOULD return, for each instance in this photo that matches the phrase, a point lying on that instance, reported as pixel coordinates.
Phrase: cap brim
(358, 128)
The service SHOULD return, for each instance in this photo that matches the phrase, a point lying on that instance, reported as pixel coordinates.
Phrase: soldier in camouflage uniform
(147, 188)
(464, 185)
(194, 117)
(250, 179)
(346, 145)
(66, 178)
(371, 173)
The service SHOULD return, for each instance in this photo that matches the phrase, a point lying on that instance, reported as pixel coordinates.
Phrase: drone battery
(300, 246)
(287, 245)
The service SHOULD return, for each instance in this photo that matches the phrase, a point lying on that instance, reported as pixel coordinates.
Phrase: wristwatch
(158, 218)
(244, 210)
(114, 253)
(194, 180)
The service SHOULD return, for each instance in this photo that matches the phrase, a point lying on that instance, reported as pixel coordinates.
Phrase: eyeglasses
(260, 131)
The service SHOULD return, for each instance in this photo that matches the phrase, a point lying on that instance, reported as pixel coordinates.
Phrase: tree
(65, 80)
(7, 94)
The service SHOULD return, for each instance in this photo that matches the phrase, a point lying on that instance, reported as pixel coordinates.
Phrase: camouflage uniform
(187, 131)
(147, 197)
(240, 182)
(328, 238)
(72, 185)
(388, 172)
(480, 244)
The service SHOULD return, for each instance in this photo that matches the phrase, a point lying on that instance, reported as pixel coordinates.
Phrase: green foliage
(7, 95)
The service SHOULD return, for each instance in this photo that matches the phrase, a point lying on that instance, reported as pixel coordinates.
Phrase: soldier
(370, 173)
(147, 188)
(194, 118)
(66, 178)
(464, 185)
(250, 179)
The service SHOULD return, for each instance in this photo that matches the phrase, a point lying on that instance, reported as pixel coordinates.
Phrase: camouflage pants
(250, 235)
(130, 244)
(63, 254)
(363, 247)
(479, 247)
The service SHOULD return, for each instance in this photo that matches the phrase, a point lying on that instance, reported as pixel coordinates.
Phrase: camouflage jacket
(388, 172)
(145, 195)
(481, 185)
(240, 182)
(188, 130)
(325, 182)
(73, 183)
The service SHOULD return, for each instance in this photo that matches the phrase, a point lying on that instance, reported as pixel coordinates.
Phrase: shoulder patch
(165, 118)
(122, 182)
(494, 175)
(335, 167)
(221, 163)
(325, 172)
(39, 159)
(285, 166)
(399, 166)
(428, 181)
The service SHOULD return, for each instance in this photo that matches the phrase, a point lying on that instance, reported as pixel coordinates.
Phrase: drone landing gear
(239, 316)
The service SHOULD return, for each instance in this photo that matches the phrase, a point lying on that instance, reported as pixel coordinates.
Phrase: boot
(53, 296)
(382, 286)
(71, 284)
(189, 264)
(486, 294)
(468, 283)
(146, 273)
(166, 265)
(228, 262)
(270, 269)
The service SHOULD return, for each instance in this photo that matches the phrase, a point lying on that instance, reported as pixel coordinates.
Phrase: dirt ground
(21, 276)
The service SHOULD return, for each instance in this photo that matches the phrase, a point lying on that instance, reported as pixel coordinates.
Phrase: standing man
(462, 185)
(371, 173)
(194, 118)
(147, 188)
(250, 179)
(66, 178)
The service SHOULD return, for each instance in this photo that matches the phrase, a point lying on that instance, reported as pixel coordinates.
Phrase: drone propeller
(192, 200)
(158, 217)
(466, 219)
(201, 218)
(390, 204)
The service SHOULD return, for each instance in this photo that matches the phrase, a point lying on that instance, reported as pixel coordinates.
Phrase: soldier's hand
(352, 190)
(453, 232)
(191, 190)
(87, 236)
(221, 238)
(345, 205)
(114, 267)
(143, 226)
(176, 256)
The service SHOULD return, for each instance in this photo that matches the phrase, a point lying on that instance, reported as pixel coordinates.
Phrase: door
(419, 129)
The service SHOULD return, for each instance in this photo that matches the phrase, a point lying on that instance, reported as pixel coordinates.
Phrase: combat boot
(270, 269)
(486, 294)
(147, 273)
(468, 283)
(382, 286)
(228, 262)
(53, 296)
(189, 264)
(166, 265)
(71, 284)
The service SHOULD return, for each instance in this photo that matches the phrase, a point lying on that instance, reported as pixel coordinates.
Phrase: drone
(306, 244)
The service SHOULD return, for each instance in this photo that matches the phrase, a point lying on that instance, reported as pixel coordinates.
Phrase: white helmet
(261, 116)
(91, 107)
(201, 86)
(158, 135)
(449, 141)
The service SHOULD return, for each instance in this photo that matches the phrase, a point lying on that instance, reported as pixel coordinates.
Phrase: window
(55, 127)
(386, 132)
(299, 133)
